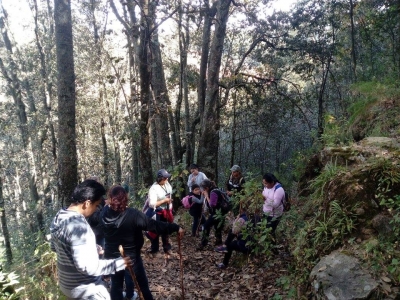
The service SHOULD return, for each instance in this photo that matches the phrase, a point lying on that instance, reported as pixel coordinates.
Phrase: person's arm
(198, 200)
(85, 257)
(279, 194)
(153, 196)
(141, 221)
(213, 199)
(189, 182)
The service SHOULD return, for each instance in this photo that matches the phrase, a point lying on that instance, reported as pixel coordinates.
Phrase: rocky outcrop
(340, 277)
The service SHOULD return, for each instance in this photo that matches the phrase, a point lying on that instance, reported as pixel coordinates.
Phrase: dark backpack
(224, 202)
(286, 201)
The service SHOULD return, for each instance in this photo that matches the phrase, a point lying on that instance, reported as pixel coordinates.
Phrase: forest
(119, 89)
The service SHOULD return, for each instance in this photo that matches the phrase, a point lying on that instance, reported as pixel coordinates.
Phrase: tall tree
(14, 88)
(67, 158)
(3, 221)
(209, 139)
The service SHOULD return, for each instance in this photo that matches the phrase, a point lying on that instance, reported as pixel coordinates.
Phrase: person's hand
(100, 250)
(127, 261)
(229, 193)
(181, 232)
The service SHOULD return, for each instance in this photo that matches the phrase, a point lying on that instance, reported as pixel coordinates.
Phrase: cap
(236, 168)
(163, 174)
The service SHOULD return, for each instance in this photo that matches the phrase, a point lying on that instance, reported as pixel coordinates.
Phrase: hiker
(79, 268)
(235, 181)
(94, 220)
(273, 202)
(235, 240)
(211, 195)
(123, 226)
(196, 208)
(195, 176)
(160, 202)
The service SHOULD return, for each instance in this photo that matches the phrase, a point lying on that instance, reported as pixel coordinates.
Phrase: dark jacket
(197, 204)
(125, 228)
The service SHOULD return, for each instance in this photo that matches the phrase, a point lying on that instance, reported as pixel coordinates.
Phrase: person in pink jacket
(274, 196)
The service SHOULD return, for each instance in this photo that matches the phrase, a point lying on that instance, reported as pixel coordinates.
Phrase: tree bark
(67, 158)
(353, 42)
(162, 105)
(145, 79)
(4, 227)
(15, 89)
(209, 140)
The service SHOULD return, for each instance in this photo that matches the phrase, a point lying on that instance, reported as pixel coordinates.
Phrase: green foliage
(328, 174)
(330, 230)
(39, 276)
(8, 283)
(333, 132)
(321, 234)
(286, 282)
(250, 197)
(259, 238)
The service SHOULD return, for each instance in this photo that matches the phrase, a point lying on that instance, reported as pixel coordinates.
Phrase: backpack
(187, 202)
(286, 201)
(224, 202)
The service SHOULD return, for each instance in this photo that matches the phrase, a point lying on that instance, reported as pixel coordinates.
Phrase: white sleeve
(153, 197)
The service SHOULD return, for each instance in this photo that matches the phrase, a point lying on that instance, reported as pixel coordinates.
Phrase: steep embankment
(349, 210)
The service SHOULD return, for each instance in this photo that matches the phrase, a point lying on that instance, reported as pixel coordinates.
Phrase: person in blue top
(196, 210)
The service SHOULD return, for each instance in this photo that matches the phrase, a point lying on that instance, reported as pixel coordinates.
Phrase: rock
(380, 142)
(341, 277)
(381, 223)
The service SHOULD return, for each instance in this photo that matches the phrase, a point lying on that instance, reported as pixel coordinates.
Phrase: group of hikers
(96, 237)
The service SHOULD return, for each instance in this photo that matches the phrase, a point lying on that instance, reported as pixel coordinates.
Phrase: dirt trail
(245, 278)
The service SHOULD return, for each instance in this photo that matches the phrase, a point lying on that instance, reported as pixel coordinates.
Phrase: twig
(181, 267)
(121, 250)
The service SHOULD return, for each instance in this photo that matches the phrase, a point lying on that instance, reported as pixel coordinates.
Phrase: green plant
(8, 281)
(258, 238)
(331, 229)
(286, 282)
(328, 174)
(39, 276)
(333, 132)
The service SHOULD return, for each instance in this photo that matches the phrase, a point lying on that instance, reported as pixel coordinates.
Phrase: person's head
(89, 194)
(162, 176)
(118, 198)
(194, 169)
(236, 171)
(269, 180)
(196, 189)
(207, 185)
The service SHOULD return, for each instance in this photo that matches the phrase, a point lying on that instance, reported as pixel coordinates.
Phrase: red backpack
(187, 201)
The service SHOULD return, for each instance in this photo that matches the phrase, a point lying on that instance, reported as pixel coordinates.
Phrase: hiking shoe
(134, 297)
(221, 266)
(221, 249)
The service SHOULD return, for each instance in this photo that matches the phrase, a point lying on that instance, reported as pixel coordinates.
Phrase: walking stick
(121, 250)
(181, 267)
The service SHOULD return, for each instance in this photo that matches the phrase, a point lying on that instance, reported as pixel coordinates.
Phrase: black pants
(272, 222)
(198, 217)
(218, 226)
(155, 243)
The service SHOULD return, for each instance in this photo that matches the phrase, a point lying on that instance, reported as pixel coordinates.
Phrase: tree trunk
(162, 105)
(209, 15)
(14, 87)
(209, 140)
(3, 220)
(67, 158)
(145, 78)
(353, 42)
